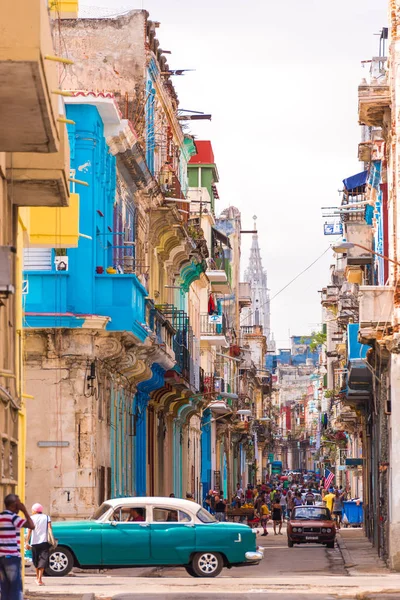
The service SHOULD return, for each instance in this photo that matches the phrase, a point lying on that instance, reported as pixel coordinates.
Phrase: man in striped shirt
(10, 556)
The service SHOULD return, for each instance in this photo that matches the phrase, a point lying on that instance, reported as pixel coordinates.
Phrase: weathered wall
(109, 55)
(9, 367)
(64, 480)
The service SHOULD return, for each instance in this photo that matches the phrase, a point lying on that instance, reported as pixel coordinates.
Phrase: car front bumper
(301, 539)
(255, 556)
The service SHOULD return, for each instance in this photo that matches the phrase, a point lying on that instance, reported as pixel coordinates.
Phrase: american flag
(329, 477)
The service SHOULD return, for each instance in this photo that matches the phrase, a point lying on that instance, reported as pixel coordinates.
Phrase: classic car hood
(227, 525)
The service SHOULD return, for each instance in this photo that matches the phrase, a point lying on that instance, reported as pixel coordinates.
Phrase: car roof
(149, 500)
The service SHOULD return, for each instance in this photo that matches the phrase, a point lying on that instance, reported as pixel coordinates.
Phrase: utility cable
(288, 284)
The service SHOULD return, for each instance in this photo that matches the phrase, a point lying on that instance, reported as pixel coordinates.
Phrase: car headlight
(299, 530)
(294, 529)
(329, 530)
(323, 530)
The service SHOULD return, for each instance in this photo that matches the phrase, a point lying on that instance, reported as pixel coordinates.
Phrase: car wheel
(61, 562)
(330, 545)
(207, 564)
(290, 543)
(190, 571)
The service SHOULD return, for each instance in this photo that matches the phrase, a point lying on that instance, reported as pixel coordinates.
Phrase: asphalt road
(308, 572)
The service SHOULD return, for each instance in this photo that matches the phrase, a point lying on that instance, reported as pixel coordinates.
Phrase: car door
(173, 536)
(126, 537)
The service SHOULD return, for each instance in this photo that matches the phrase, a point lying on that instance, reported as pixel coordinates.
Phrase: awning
(355, 181)
(221, 237)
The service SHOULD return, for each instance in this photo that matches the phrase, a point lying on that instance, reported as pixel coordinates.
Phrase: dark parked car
(311, 525)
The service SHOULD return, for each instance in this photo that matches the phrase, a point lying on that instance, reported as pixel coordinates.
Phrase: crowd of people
(276, 499)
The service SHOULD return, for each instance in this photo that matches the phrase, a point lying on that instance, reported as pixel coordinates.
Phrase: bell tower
(259, 312)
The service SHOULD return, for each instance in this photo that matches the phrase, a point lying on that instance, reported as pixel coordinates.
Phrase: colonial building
(34, 171)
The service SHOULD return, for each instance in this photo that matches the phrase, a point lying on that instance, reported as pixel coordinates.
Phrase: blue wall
(81, 291)
(206, 473)
(140, 415)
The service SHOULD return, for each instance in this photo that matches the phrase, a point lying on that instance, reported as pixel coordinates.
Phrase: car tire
(61, 562)
(190, 571)
(207, 564)
(330, 545)
(290, 543)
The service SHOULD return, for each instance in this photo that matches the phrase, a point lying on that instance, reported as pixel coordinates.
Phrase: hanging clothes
(211, 305)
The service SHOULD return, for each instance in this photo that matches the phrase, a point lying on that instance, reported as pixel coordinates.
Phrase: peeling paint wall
(73, 410)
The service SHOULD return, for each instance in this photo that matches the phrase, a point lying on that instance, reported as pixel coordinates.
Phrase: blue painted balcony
(121, 297)
(118, 302)
(359, 376)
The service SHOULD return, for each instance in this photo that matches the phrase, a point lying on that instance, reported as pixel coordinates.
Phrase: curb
(347, 558)
(88, 597)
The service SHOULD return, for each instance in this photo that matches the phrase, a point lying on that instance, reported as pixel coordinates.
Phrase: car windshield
(205, 516)
(311, 513)
(100, 511)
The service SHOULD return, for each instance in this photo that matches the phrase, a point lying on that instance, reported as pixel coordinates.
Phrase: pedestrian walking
(264, 516)
(283, 503)
(337, 508)
(220, 508)
(289, 504)
(10, 555)
(328, 499)
(297, 501)
(277, 515)
(39, 541)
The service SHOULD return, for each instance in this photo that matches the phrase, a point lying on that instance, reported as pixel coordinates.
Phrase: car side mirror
(113, 523)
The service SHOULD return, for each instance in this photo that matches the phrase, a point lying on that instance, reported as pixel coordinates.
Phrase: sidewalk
(359, 556)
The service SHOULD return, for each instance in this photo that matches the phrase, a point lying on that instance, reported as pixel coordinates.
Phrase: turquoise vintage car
(131, 532)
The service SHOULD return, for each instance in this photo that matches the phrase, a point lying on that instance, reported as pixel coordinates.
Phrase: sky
(280, 80)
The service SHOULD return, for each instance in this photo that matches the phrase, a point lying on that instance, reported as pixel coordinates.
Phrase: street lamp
(343, 246)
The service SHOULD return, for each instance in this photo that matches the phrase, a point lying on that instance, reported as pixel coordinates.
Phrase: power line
(290, 282)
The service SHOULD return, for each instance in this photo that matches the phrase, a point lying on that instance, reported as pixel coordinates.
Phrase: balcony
(40, 179)
(219, 269)
(213, 330)
(182, 343)
(254, 330)
(330, 295)
(163, 333)
(244, 294)
(374, 95)
(359, 376)
(362, 234)
(371, 150)
(29, 111)
(218, 279)
(348, 303)
(122, 298)
(376, 307)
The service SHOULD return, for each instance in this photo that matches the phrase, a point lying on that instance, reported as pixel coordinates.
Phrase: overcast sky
(280, 79)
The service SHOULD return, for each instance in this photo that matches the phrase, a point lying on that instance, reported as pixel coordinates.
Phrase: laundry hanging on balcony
(212, 307)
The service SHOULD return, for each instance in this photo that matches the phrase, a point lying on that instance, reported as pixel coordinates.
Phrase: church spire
(259, 312)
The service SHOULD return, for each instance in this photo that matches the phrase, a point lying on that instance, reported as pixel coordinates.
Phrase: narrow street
(301, 572)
